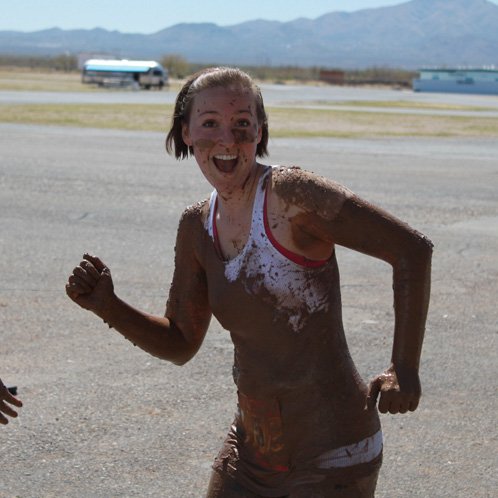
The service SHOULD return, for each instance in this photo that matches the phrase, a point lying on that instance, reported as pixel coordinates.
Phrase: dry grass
(350, 124)
(405, 104)
(32, 80)
(116, 116)
(284, 122)
(49, 81)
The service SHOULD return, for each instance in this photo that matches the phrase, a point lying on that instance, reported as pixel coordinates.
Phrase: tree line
(63, 62)
(178, 67)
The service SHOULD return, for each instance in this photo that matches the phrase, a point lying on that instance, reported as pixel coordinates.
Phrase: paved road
(102, 419)
(281, 95)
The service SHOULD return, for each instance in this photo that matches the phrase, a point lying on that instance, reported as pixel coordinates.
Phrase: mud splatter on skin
(240, 137)
(359, 225)
(224, 124)
(243, 136)
(306, 190)
(313, 375)
(235, 232)
(244, 185)
(297, 199)
(204, 143)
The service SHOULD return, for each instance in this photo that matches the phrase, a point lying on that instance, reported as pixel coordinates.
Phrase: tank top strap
(259, 201)
(211, 222)
(213, 201)
(257, 222)
(262, 228)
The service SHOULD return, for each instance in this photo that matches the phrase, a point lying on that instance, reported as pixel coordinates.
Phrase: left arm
(372, 231)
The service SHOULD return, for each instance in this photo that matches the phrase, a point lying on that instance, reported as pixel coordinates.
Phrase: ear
(260, 132)
(186, 135)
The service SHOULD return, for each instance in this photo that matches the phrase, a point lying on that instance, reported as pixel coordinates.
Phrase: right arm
(178, 335)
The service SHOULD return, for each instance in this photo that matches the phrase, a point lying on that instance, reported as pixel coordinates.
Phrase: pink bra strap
(296, 258)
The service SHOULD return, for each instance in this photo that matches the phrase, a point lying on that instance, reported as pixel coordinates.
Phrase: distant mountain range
(409, 35)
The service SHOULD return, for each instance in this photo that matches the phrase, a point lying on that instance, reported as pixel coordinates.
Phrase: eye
(243, 123)
(209, 123)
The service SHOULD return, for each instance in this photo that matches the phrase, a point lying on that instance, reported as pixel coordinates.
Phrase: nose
(226, 136)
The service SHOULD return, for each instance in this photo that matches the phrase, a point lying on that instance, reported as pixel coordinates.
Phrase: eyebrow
(240, 111)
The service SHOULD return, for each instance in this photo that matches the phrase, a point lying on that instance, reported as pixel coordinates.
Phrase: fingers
(414, 404)
(6, 409)
(85, 276)
(396, 402)
(392, 396)
(13, 400)
(373, 393)
(80, 283)
(96, 262)
(388, 403)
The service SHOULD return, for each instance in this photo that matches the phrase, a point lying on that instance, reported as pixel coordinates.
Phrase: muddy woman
(259, 255)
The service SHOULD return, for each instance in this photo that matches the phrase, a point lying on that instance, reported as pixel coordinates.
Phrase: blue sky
(150, 16)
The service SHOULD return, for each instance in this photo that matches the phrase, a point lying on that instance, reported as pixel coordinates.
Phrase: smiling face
(224, 131)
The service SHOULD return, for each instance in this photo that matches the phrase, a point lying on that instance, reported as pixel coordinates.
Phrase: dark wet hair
(224, 77)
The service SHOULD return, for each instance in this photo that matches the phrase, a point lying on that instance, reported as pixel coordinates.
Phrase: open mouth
(225, 163)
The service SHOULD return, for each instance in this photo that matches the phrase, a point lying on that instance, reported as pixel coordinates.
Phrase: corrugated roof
(116, 68)
(124, 66)
(458, 70)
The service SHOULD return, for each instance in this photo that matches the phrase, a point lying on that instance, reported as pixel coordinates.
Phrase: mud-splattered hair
(224, 77)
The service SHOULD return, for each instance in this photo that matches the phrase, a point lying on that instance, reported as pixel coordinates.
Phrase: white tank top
(264, 266)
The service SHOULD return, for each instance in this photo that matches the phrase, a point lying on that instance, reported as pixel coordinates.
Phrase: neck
(231, 204)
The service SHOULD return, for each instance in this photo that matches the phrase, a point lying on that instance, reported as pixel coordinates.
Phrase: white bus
(146, 74)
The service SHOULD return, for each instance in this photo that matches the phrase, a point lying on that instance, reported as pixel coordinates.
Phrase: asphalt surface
(282, 95)
(103, 419)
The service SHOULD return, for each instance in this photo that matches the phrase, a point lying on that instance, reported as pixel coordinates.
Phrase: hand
(399, 390)
(90, 285)
(5, 396)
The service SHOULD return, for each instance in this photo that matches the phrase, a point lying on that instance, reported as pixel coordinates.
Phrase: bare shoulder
(192, 224)
(307, 191)
(195, 214)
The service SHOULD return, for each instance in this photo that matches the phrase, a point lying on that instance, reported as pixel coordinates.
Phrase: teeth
(226, 158)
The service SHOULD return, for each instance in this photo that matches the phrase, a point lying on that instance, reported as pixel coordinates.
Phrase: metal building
(484, 81)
